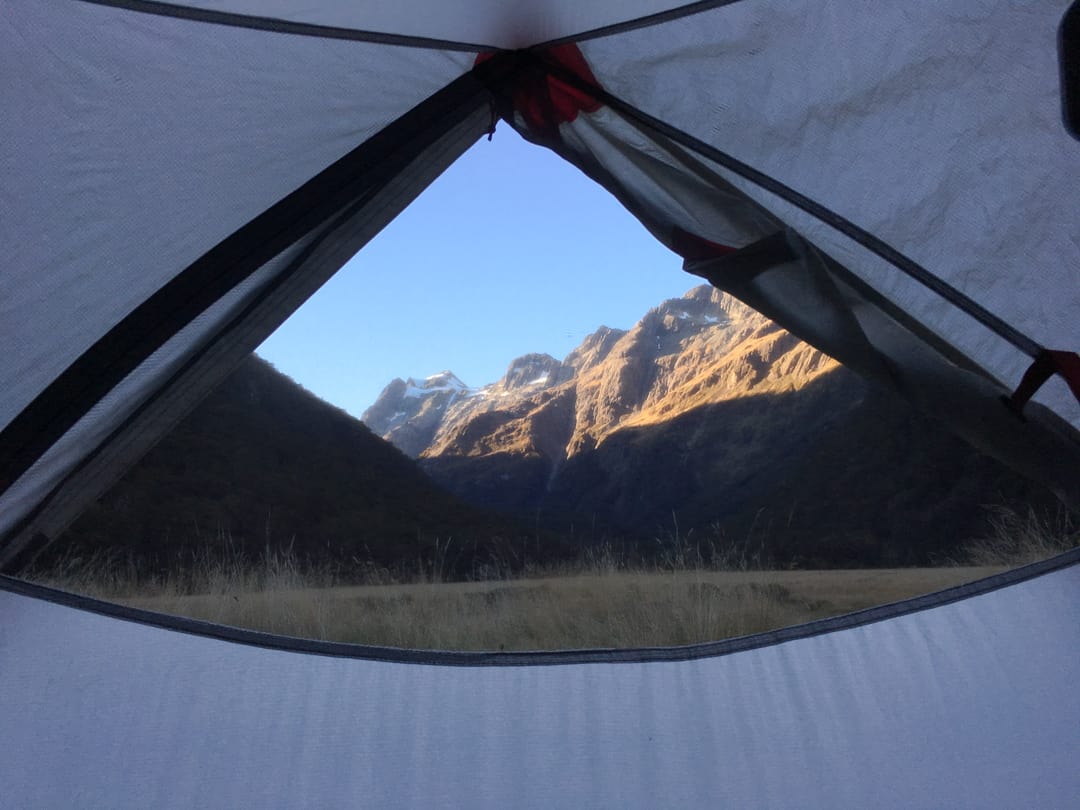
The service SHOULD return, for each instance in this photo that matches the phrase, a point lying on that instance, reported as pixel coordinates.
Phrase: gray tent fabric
(896, 184)
(165, 161)
(139, 146)
(132, 417)
(937, 127)
(966, 700)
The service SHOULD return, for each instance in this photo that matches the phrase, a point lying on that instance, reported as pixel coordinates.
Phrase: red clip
(1047, 363)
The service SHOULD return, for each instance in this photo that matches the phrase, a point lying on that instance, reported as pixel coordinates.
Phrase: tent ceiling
(928, 175)
(483, 23)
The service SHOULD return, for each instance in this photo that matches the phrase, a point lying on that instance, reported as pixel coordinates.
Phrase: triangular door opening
(893, 184)
(565, 403)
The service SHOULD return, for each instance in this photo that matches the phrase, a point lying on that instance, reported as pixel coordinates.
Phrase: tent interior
(895, 185)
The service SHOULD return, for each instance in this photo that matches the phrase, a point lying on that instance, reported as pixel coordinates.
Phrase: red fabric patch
(1048, 363)
(696, 248)
(545, 101)
(1067, 364)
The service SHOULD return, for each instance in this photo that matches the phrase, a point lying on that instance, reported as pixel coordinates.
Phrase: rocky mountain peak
(702, 306)
(594, 349)
(408, 412)
(531, 371)
(701, 348)
(444, 381)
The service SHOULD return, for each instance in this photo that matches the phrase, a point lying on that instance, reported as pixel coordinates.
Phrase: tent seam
(280, 26)
(646, 21)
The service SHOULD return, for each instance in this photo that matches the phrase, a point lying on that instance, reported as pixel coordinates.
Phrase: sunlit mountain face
(708, 416)
(700, 349)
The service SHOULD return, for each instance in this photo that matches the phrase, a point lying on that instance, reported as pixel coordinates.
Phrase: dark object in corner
(1069, 53)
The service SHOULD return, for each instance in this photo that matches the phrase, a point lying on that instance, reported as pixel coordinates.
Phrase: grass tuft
(1017, 539)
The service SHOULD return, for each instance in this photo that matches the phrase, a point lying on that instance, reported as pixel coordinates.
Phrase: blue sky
(510, 251)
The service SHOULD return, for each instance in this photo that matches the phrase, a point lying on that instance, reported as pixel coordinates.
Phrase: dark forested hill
(263, 462)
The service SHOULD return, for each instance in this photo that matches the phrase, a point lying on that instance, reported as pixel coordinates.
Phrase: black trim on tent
(279, 26)
(544, 658)
(649, 20)
(840, 223)
(1069, 54)
(29, 537)
(358, 175)
(24, 556)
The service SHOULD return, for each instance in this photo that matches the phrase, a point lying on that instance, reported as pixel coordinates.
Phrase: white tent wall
(98, 448)
(166, 393)
(149, 137)
(966, 699)
(937, 127)
(486, 24)
(142, 141)
(87, 292)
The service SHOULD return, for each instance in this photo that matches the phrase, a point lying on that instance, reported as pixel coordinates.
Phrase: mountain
(264, 463)
(408, 412)
(707, 417)
(704, 347)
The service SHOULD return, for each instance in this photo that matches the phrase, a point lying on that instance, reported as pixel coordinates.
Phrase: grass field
(599, 601)
(617, 609)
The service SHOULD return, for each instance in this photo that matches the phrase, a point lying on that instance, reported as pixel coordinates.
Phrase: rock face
(692, 351)
(408, 412)
(530, 440)
(704, 416)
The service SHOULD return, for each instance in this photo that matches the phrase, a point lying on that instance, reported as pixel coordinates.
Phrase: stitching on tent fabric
(279, 26)
(546, 658)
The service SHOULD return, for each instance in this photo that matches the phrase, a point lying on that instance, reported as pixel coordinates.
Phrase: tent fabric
(473, 24)
(966, 699)
(310, 263)
(894, 183)
(139, 146)
(919, 149)
(936, 129)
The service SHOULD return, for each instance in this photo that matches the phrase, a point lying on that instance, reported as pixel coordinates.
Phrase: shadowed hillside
(264, 463)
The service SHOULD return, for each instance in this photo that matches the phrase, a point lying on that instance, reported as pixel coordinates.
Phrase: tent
(963, 699)
(895, 183)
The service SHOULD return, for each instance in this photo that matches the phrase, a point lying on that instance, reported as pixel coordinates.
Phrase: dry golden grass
(619, 609)
(593, 603)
